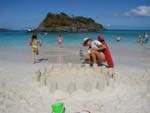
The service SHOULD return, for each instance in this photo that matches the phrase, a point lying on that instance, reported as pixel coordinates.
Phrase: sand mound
(70, 78)
(94, 89)
(80, 88)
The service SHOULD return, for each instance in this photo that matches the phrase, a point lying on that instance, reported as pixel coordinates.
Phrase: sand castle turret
(72, 77)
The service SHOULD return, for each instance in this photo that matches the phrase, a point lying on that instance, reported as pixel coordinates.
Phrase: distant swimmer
(45, 33)
(60, 40)
(118, 38)
(139, 39)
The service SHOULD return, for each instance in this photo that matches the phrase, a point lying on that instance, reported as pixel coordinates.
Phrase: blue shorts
(146, 40)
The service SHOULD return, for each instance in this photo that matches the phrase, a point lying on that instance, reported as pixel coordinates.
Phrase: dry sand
(21, 91)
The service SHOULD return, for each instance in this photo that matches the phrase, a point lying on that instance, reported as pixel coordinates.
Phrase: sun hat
(85, 40)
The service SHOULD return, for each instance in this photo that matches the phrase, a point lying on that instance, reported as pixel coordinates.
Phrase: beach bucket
(58, 108)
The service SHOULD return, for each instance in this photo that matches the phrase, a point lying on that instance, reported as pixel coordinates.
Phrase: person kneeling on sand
(95, 51)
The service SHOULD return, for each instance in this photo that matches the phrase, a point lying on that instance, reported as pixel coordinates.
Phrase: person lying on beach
(34, 43)
(95, 51)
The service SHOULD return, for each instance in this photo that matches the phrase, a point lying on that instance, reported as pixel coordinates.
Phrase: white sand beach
(21, 91)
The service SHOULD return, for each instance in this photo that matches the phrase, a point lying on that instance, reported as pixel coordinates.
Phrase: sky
(113, 14)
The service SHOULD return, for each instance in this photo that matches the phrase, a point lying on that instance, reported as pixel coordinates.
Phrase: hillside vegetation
(65, 23)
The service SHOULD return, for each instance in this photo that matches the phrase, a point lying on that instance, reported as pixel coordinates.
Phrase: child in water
(35, 43)
(60, 40)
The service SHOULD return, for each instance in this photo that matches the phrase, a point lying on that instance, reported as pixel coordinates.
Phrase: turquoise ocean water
(19, 39)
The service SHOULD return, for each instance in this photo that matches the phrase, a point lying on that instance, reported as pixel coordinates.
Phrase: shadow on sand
(43, 59)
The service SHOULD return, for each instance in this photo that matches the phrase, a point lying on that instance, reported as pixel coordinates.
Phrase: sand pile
(70, 78)
(94, 89)
(79, 87)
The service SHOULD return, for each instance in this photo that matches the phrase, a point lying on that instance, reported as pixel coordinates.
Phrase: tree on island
(65, 23)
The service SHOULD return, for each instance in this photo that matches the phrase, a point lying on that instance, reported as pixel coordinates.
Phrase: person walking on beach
(145, 39)
(60, 40)
(35, 43)
(95, 51)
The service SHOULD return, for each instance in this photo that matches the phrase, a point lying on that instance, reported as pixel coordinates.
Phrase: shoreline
(122, 55)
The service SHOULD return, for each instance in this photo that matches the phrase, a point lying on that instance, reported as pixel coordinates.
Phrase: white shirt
(95, 44)
(146, 36)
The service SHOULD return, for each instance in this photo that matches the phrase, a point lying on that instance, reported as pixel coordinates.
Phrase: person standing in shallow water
(60, 40)
(35, 43)
(118, 38)
(145, 39)
(139, 39)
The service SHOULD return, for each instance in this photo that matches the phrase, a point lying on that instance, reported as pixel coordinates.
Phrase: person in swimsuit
(118, 38)
(139, 39)
(60, 40)
(145, 39)
(35, 43)
(95, 51)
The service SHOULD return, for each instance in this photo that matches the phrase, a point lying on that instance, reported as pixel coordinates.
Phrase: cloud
(140, 11)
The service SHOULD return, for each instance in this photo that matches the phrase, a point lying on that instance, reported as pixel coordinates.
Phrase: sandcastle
(71, 77)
